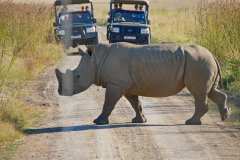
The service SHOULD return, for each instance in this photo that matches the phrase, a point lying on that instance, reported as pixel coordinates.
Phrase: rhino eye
(78, 76)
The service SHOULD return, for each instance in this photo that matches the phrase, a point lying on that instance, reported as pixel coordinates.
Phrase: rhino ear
(91, 49)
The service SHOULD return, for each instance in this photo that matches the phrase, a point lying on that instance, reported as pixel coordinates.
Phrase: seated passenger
(136, 7)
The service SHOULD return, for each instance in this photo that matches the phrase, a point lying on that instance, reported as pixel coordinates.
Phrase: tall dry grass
(175, 25)
(218, 29)
(26, 48)
(101, 9)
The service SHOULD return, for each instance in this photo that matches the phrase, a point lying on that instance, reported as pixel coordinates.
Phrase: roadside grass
(172, 25)
(101, 9)
(27, 47)
(218, 29)
(8, 135)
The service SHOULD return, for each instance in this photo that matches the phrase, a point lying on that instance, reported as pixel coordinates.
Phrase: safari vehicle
(129, 21)
(75, 23)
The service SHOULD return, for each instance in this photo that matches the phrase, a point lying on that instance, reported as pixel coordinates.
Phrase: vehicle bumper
(139, 39)
(89, 38)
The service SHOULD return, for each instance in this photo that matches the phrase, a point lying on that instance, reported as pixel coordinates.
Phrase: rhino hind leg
(112, 95)
(137, 106)
(220, 99)
(201, 107)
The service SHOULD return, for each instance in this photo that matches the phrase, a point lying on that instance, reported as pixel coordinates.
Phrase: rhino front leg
(136, 104)
(112, 95)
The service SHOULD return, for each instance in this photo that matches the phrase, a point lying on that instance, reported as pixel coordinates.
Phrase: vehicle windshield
(129, 16)
(75, 17)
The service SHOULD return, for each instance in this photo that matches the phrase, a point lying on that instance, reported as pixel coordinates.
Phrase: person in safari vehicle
(75, 23)
(128, 22)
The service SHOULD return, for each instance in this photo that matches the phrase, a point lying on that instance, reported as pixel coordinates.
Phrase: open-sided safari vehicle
(129, 21)
(75, 23)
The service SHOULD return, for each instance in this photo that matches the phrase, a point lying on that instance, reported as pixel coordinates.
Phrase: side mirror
(149, 22)
(54, 24)
(94, 20)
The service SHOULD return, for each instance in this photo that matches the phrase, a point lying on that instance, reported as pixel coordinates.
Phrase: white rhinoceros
(152, 70)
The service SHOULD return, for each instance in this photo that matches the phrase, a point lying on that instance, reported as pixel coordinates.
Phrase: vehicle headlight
(145, 31)
(115, 29)
(61, 32)
(91, 29)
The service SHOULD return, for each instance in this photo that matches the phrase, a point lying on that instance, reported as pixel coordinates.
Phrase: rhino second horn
(58, 74)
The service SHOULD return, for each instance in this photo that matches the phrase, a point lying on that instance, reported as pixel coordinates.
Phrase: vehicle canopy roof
(143, 2)
(64, 2)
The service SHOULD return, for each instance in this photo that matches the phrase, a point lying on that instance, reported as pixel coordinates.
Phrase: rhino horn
(59, 75)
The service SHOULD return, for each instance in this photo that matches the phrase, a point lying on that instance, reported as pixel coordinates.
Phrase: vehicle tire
(148, 40)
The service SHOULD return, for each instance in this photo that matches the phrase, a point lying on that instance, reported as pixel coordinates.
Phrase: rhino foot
(193, 121)
(139, 119)
(101, 120)
(225, 113)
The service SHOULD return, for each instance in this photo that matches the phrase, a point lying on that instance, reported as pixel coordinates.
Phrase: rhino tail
(219, 74)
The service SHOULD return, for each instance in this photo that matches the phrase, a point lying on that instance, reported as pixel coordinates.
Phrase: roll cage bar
(66, 2)
(139, 2)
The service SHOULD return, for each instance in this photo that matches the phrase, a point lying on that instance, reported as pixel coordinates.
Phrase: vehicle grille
(130, 30)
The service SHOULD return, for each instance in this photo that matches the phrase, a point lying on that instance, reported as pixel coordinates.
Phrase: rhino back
(157, 70)
(116, 67)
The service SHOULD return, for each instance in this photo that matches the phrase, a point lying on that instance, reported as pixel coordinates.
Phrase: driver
(136, 7)
(119, 18)
(87, 8)
(115, 6)
(82, 8)
(120, 5)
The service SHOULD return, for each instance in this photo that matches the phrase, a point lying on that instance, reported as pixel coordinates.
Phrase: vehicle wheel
(149, 40)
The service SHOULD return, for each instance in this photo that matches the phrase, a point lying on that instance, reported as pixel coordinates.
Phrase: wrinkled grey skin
(153, 71)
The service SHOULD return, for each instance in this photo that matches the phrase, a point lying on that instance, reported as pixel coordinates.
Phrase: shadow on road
(89, 127)
(117, 125)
